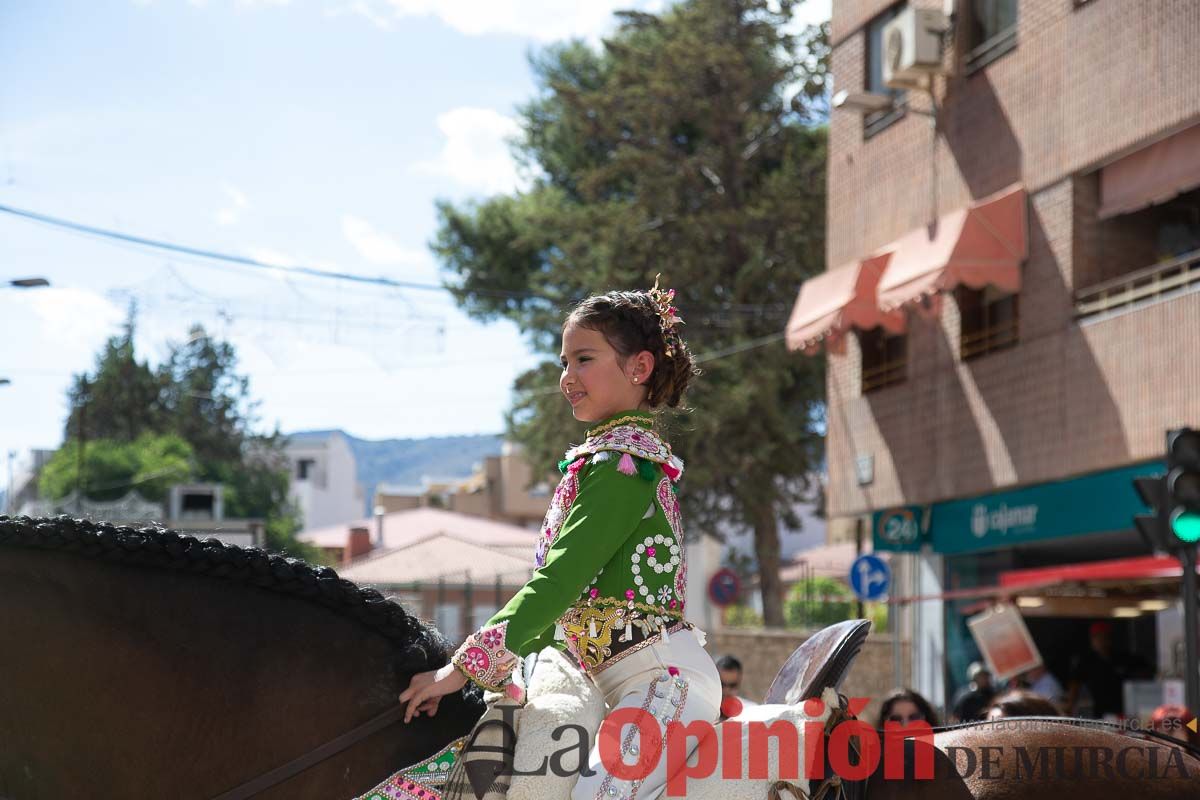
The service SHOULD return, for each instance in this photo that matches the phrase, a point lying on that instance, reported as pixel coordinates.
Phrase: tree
(110, 469)
(198, 423)
(684, 147)
(121, 401)
(817, 602)
(207, 402)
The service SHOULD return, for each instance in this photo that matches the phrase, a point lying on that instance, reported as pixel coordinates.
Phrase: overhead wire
(216, 256)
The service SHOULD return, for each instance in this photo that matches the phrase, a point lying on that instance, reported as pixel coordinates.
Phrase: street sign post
(870, 578)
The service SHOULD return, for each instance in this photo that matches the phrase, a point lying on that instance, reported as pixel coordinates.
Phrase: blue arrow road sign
(870, 577)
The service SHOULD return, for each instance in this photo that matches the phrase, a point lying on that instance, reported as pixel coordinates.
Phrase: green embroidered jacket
(609, 571)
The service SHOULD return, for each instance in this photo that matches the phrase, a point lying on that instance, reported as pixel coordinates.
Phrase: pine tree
(687, 147)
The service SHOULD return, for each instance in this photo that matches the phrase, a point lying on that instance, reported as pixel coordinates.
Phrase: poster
(1005, 642)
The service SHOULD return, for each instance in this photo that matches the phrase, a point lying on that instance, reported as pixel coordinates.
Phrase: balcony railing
(986, 340)
(885, 374)
(1169, 278)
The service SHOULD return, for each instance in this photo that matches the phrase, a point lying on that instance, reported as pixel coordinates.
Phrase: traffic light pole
(1187, 558)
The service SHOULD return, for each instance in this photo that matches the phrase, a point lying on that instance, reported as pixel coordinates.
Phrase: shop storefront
(1064, 552)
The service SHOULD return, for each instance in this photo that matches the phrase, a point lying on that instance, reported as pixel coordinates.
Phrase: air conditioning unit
(912, 47)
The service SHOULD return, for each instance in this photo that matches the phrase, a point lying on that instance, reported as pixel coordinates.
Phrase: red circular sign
(724, 587)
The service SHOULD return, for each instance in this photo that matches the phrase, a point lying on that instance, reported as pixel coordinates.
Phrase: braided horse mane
(139, 660)
(155, 547)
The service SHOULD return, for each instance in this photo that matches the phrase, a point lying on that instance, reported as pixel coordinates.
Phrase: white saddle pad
(560, 694)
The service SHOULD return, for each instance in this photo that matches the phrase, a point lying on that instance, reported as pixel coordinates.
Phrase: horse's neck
(144, 681)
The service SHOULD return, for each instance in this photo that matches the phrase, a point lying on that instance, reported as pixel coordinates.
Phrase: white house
(324, 483)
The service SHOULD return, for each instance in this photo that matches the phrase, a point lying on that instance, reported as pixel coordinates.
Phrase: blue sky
(316, 133)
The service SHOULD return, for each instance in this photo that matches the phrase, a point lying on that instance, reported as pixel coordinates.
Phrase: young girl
(610, 576)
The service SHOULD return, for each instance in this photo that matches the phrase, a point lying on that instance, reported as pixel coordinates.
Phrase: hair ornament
(668, 315)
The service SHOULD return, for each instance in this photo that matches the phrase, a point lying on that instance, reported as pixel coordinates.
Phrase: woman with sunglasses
(904, 707)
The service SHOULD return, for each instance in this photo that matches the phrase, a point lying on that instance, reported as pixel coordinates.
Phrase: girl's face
(595, 381)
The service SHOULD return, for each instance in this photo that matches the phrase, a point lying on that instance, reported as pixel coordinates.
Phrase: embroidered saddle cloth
(510, 738)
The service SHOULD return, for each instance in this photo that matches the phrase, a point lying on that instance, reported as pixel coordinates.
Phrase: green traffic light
(1186, 526)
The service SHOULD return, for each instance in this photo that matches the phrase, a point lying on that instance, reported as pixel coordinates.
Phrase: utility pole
(1192, 664)
(858, 546)
(9, 504)
(81, 435)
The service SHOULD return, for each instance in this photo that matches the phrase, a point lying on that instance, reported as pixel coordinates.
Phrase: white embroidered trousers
(673, 681)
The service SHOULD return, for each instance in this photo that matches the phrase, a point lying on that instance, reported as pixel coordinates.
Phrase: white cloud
(74, 316)
(237, 204)
(273, 257)
(380, 17)
(476, 153)
(376, 246)
(542, 20)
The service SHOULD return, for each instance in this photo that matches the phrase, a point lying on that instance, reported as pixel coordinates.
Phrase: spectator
(1173, 721)
(1102, 672)
(1043, 683)
(1021, 703)
(730, 670)
(972, 701)
(904, 706)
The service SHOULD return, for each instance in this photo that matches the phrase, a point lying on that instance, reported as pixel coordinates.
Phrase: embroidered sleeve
(484, 659)
(605, 513)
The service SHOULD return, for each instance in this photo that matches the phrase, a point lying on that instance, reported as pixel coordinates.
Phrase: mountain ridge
(408, 461)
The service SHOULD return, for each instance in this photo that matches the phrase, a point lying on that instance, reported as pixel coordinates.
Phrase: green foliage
(817, 602)
(121, 400)
(150, 464)
(878, 614)
(686, 147)
(192, 419)
(739, 616)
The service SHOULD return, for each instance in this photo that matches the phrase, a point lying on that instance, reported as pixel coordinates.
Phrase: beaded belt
(622, 650)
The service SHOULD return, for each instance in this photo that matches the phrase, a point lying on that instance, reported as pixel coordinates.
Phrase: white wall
(929, 635)
(331, 495)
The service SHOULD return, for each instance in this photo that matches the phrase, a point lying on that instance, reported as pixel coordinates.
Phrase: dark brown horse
(146, 664)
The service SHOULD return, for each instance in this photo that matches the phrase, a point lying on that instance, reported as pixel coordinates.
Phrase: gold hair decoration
(668, 316)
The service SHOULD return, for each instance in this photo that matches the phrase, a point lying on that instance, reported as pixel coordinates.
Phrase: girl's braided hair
(635, 321)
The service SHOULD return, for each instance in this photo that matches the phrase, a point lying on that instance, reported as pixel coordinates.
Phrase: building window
(988, 321)
(413, 602)
(448, 620)
(877, 121)
(991, 30)
(482, 613)
(305, 468)
(884, 358)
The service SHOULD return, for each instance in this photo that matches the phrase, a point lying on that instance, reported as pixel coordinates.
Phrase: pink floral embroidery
(556, 515)
(627, 439)
(484, 659)
(670, 506)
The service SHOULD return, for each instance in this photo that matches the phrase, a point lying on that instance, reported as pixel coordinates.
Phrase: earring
(635, 380)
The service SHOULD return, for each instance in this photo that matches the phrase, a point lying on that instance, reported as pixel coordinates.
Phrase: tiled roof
(440, 556)
(401, 528)
(831, 560)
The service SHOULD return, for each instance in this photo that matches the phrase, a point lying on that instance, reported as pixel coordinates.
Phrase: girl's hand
(427, 688)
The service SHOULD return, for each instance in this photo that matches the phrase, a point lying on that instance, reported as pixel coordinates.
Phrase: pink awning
(983, 244)
(831, 303)
(1152, 175)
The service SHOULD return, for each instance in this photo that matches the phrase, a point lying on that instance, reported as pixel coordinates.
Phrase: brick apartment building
(1012, 308)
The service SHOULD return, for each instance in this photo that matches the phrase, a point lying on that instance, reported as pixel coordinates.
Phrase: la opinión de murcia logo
(852, 749)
